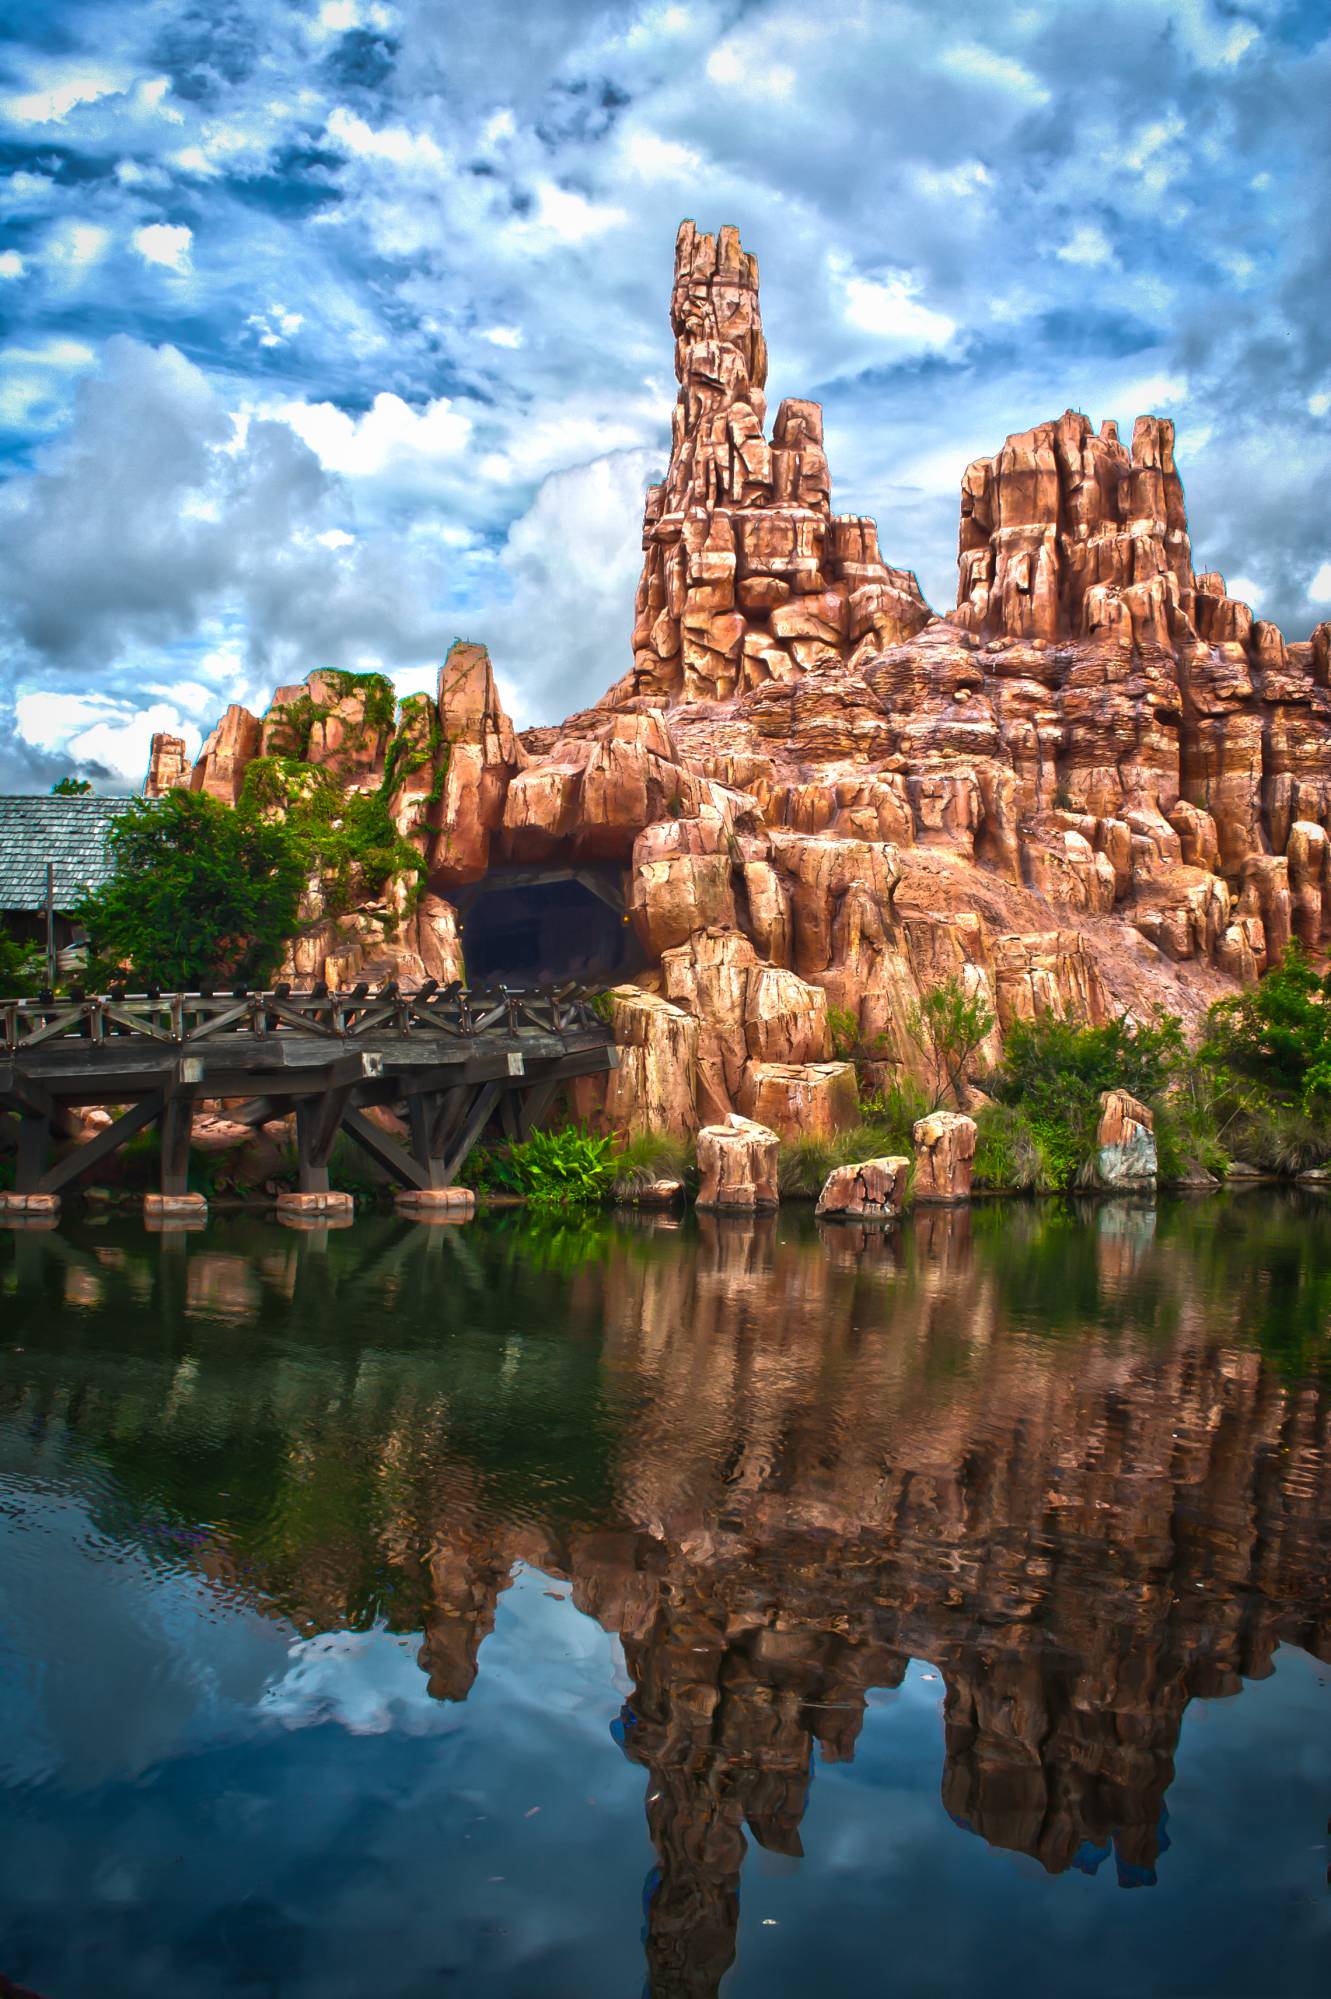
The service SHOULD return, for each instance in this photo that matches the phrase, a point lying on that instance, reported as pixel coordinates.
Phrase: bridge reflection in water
(1083, 1470)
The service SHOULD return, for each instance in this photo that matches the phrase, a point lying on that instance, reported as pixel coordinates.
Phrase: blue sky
(333, 329)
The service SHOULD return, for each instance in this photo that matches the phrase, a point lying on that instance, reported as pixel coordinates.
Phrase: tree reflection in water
(1079, 1463)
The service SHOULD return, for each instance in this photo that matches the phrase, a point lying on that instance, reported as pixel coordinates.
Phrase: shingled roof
(72, 832)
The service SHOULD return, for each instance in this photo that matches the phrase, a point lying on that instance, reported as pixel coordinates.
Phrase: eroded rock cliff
(1097, 784)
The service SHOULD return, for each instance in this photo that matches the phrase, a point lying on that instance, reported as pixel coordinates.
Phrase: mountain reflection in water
(1079, 1463)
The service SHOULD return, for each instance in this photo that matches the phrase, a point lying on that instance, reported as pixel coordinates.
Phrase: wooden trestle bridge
(450, 1060)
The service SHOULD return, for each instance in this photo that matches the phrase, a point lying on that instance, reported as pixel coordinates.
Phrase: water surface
(679, 1607)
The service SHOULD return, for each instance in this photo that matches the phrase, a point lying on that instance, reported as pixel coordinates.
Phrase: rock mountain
(1096, 784)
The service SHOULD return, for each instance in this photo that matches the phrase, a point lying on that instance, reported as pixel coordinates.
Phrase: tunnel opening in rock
(527, 927)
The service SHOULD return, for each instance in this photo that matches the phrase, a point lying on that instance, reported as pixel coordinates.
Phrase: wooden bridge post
(174, 1127)
(314, 1145)
(34, 1137)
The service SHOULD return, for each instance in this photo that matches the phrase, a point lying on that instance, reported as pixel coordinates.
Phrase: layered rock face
(1097, 785)
(749, 577)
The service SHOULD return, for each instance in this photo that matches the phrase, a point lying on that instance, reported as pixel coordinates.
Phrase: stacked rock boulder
(1097, 785)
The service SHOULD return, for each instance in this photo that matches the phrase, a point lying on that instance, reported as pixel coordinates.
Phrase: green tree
(197, 892)
(71, 787)
(1279, 1033)
(953, 1026)
(22, 966)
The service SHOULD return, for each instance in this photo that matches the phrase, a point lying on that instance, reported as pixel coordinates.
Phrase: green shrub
(350, 1170)
(804, 1163)
(648, 1156)
(1192, 1122)
(894, 1114)
(1053, 1075)
(1281, 1137)
(566, 1168)
(1008, 1152)
(844, 1028)
(347, 838)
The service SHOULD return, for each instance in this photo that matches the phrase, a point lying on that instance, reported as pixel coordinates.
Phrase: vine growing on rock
(345, 837)
(291, 727)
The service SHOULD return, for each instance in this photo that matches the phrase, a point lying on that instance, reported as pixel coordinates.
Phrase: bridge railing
(183, 1019)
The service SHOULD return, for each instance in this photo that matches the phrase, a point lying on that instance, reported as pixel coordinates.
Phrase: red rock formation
(232, 746)
(944, 1149)
(168, 767)
(748, 577)
(1098, 785)
(874, 1190)
(737, 1165)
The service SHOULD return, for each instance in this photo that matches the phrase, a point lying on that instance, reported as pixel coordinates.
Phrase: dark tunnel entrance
(545, 926)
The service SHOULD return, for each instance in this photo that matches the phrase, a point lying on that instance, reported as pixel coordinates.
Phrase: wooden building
(70, 833)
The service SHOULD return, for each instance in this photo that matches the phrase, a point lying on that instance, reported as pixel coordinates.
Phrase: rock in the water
(873, 1190)
(660, 1193)
(944, 1151)
(1125, 1156)
(737, 1165)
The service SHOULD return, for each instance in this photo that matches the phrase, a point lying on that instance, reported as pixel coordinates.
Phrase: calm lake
(676, 1607)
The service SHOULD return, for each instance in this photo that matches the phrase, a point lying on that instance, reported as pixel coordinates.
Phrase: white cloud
(276, 326)
(389, 437)
(75, 246)
(651, 158)
(1087, 244)
(503, 336)
(100, 729)
(1319, 590)
(25, 190)
(564, 437)
(1214, 40)
(394, 143)
(573, 558)
(339, 17)
(190, 160)
(1153, 392)
(1245, 590)
(336, 538)
(957, 182)
(980, 65)
(11, 264)
(732, 65)
(1319, 402)
(564, 216)
(499, 126)
(52, 354)
(889, 307)
(52, 102)
(166, 243)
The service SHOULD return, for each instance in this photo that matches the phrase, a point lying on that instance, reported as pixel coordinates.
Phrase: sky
(332, 330)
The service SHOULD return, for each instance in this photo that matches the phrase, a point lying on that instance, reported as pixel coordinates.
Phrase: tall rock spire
(748, 575)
